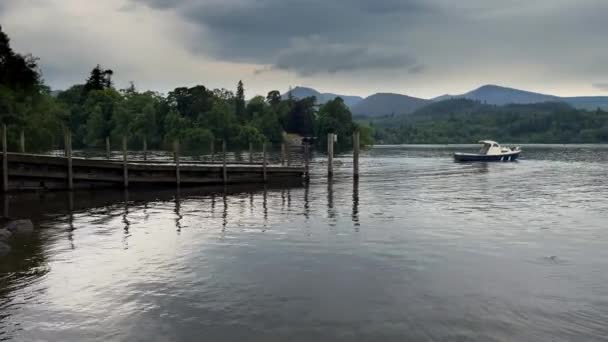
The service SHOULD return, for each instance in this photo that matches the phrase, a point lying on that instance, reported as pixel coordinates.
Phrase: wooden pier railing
(65, 171)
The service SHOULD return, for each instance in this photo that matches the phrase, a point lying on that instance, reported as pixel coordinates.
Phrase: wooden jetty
(41, 172)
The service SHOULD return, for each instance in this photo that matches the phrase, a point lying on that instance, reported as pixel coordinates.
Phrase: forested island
(195, 116)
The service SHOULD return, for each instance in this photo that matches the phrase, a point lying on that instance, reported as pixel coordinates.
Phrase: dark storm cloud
(306, 37)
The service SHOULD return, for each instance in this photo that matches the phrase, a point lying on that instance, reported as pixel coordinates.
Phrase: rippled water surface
(421, 248)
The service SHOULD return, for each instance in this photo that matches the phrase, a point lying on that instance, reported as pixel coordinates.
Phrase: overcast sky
(421, 48)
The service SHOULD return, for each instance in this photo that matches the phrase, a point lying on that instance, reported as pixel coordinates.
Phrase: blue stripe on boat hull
(463, 157)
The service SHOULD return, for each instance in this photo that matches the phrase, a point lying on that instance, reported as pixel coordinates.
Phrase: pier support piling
(22, 142)
(212, 150)
(4, 160)
(125, 167)
(330, 155)
(145, 149)
(264, 162)
(250, 153)
(68, 150)
(224, 168)
(283, 154)
(176, 159)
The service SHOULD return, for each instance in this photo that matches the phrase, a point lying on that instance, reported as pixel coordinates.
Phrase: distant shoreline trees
(195, 115)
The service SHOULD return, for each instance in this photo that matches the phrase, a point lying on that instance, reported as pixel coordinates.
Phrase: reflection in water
(225, 210)
(265, 206)
(306, 201)
(125, 220)
(177, 211)
(355, 213)
(331, 214)
(70, 216)
(445, 252)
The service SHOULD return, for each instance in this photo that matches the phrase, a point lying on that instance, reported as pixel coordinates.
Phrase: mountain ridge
(386, 103)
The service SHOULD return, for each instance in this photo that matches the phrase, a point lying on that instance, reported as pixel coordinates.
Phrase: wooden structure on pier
(41, 172)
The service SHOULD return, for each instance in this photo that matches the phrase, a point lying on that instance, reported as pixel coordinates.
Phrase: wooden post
(265, 176)
(108, 152)
(288, 153)
(212, 148)
(22, 142)
(125, 168)
(250, 153)
(282, 153)
(65, 142)
(68, 139)
(356, 146)
(224, 169)
(145, 148)
(4, 160)
(330, 155)
(176, 158)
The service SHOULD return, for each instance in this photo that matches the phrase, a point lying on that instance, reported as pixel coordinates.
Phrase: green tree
(335, 117)
(241, 113)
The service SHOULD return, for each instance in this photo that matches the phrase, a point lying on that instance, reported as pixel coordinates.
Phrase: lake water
(420, 249)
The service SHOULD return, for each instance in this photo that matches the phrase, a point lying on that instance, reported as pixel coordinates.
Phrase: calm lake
(421, 248)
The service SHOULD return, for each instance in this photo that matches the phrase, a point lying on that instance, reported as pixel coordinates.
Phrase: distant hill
(303, 92)
(461, 120)
(497, 95)
(386, 104)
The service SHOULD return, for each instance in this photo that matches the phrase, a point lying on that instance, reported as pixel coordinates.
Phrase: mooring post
(4, 160)
(356, 146)
(68, 148)
(264, 161)
(212, 150)
(330, 155)
(224, 169)
(125, 168)
(282, 153)
(22, 141)
(306, 163)
(145, 148)
(250, 152)
(108, 152)
(65, 142)
(176, 158)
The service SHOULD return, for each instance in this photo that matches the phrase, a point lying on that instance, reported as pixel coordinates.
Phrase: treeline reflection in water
(59, 216)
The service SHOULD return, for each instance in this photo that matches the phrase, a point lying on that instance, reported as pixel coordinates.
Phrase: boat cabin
(490, 148)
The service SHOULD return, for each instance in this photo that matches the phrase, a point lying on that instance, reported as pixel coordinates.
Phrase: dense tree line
(195, 115)
(467, 121)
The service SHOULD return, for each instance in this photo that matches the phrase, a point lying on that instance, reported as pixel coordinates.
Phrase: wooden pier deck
(41, 172)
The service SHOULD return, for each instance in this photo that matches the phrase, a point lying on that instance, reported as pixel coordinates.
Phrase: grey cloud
(312, 56)
(603, 86)
(307, 37)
